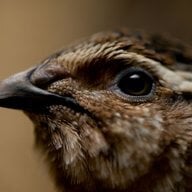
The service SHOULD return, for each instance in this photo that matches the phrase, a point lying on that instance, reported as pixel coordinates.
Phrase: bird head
(111, 113)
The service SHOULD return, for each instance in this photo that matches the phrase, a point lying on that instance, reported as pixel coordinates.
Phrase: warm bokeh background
(31, 30)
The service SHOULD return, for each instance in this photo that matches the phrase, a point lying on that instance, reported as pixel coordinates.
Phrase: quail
(112, 113)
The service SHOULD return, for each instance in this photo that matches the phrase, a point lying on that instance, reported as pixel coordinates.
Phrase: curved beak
(17, 92)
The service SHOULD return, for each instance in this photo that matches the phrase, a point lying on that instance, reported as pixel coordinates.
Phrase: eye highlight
(135, 84)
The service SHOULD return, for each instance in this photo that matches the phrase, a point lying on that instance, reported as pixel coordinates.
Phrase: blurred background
(31, 30)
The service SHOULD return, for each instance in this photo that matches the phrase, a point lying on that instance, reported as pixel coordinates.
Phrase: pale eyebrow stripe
(178, 81)
(185, 74)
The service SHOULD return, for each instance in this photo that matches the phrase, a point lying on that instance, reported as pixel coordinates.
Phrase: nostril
(47, 73)
(19, 91)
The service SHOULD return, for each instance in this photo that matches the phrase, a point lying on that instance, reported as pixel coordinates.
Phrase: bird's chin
(84, 154)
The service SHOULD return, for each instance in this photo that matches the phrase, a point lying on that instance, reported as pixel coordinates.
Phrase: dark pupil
(136, 84)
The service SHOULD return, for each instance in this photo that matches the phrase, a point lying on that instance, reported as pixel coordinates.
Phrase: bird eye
(135, 82)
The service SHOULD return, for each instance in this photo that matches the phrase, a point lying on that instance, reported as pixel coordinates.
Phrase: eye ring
(134, 84)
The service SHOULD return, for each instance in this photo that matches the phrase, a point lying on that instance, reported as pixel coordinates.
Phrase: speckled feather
(115, 144)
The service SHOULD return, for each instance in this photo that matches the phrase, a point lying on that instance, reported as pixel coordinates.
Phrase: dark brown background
(31, 30)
